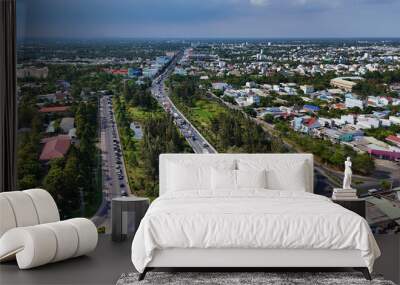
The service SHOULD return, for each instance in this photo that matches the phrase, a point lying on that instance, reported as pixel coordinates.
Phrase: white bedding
(250, 219)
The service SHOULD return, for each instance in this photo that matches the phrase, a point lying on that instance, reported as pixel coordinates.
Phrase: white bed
(280, 225)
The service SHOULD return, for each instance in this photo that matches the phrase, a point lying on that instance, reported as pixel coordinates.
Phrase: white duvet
(250, 219)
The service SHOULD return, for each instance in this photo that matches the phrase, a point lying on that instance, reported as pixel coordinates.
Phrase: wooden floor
(103, 266)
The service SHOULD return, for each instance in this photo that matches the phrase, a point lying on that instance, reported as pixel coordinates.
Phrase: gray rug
(239, 278)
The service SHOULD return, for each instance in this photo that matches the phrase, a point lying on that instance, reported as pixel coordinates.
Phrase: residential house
(311, 108)
(305, 124)
(67, 124)
(307, 89)
(394, 140)
(55, 147)
(364, 122)
(347, 119)
(352, 103)
(220, 86)
(54, 109)
(394, 120)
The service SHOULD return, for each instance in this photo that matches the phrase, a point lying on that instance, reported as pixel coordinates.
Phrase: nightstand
(355, 205)
(126, 214)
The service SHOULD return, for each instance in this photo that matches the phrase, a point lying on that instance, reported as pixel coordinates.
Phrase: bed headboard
(211, 159)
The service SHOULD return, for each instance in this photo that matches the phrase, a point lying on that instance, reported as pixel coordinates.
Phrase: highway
(195, 139)
(115, 182)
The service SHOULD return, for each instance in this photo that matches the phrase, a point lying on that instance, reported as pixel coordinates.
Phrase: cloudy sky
(208, 18)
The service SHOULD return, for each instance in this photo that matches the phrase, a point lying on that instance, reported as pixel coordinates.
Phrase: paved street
(195, 139)
(115, 183)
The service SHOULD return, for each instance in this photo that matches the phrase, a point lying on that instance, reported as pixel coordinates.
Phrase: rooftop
(55, 109)
(55, 147)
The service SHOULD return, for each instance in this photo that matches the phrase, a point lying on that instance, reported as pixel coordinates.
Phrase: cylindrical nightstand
(126, 214)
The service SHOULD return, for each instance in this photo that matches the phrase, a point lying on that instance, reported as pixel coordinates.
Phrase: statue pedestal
(344, 194)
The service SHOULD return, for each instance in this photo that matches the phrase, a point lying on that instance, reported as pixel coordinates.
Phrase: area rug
(253, 278)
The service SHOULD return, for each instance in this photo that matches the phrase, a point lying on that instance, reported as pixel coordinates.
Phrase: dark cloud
(193, 18)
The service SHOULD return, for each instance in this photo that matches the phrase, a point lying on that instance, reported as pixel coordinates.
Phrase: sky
(88, 19)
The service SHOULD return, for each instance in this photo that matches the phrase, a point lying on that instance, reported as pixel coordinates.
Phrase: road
(195, 139)
(115, 183)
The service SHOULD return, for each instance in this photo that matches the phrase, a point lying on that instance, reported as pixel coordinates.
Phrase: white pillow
(193, 174)
(288, 176)
(185, 178)
(223, 179)
(281, 174)
(253, 179)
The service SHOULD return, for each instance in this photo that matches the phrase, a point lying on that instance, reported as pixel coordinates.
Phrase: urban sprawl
(333, 98)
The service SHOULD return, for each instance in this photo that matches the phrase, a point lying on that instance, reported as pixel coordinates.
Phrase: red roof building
(55, 147)
(393, 139)
(339, 106)
(119, 71)
(311, 122)
(55, 109)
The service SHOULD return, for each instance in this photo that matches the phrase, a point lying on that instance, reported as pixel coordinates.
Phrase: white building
(352, 103)
(67, 124)
(220, 86)
(290, 90)
(378, 101)
(347, 119)
(307, 89)
(367, 122)
(394, 120)
(385, 122)
(251, 84)
(32, 72)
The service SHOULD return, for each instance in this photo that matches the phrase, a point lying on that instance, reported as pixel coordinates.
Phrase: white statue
(347, 174)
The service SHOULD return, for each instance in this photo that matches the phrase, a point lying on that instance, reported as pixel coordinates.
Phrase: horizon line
(213, 38)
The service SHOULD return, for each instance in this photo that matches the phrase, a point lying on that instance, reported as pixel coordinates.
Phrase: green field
(204, 112)
(201, 115)
(141, 115)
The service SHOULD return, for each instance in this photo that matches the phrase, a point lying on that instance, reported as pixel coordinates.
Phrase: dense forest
(377, 83)
(160, 135)
(75, 180)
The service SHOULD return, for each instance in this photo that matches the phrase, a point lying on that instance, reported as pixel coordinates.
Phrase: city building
(134, 72)
(353, 103)
(345, 83)
(34, 72)
(220, 86)
(365, 122)
(394, 120)
(394, 139)
(311, 108)
(67, 124)
(55, 147)
(305, 124)
(307, 89)
(54, 109)
(347, 119)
